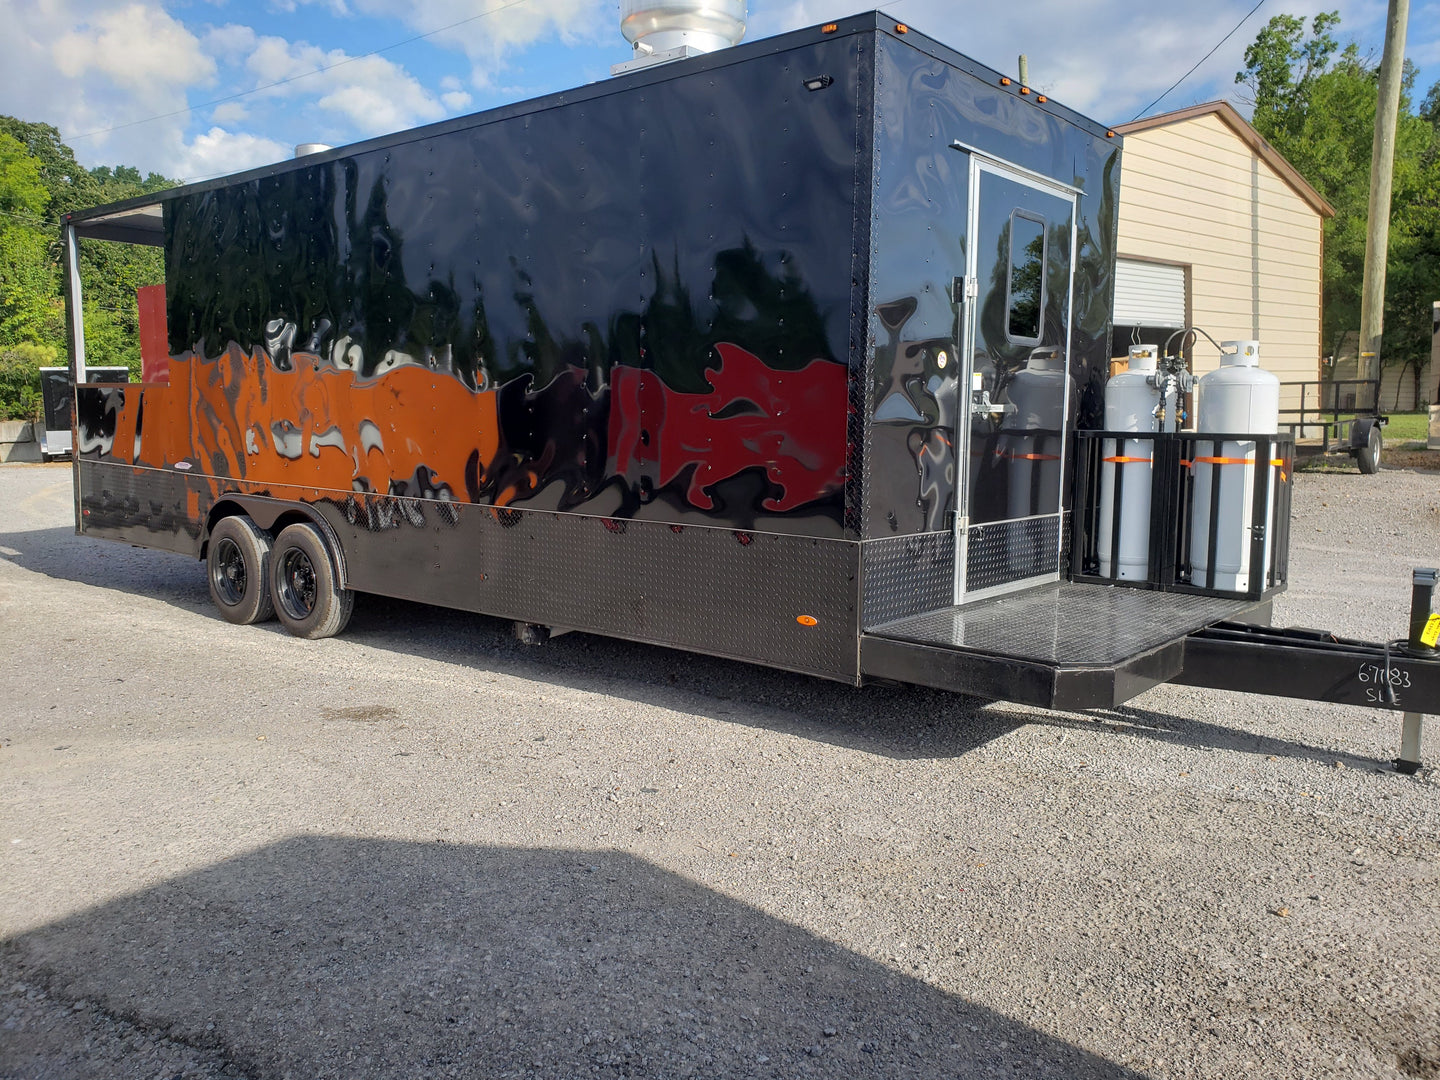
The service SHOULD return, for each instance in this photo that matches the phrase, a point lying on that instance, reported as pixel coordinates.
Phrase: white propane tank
(1031, 437)
(1132, 403)
(1236, 398)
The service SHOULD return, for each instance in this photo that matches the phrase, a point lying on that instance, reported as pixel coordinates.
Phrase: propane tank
(1031, 436)
(1236, 398)
(1133, 402)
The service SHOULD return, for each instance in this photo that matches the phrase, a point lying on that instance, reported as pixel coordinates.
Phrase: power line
(1202, 60)
(302, 75)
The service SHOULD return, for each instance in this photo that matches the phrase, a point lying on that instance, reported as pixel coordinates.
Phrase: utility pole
(1024, 70)
(1382, 171)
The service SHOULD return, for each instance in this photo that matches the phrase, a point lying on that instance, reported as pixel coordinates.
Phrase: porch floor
(1066, 624)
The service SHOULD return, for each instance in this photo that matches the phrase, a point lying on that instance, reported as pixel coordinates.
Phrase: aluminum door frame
(980, 163)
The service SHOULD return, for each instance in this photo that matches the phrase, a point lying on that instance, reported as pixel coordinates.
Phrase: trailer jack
(1315, 665)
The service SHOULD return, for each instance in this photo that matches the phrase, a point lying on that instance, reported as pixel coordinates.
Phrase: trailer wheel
(238, 563)
(305, 584)
(1368, 456)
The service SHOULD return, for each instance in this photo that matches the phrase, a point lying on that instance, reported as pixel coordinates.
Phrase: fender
(265, 512)
(1360, 431)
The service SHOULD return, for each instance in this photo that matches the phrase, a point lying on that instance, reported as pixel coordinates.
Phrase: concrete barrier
(17, 441)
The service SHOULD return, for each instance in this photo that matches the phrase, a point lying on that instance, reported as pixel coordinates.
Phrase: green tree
(40, 173)
(28, 297)
(20, 380)
(1315, 103)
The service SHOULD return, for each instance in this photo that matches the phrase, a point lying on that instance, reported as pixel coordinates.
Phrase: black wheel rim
(228, 572)
(296, 579)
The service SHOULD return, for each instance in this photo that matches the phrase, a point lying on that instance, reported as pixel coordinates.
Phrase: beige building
(1217, 230)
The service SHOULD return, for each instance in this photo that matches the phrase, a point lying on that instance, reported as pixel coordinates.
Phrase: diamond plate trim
(905, 575)
(1006, 551)
(721, 592)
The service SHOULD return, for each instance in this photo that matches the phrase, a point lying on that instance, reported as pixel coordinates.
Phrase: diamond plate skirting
(1007, 551)
(906, 575)
(1067, 624)
(718, 591)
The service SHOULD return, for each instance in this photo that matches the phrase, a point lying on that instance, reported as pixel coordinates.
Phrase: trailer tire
(1368, 456)
(237, 564)
(305, 584)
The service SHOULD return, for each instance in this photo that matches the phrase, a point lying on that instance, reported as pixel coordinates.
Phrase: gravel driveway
(422, 850)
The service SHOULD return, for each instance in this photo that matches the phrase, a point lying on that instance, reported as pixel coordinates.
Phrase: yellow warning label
(1431, 634)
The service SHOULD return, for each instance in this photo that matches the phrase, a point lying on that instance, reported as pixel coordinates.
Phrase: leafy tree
(20, 380)
(1316, 104)
(41, 178)
(27, 280)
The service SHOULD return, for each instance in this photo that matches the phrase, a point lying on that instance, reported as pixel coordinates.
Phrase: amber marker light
(1109, 134)
(1025, 90)
(829, 28)
(1042, 98)
(1004, 81)
(806, 620)
(901, 28)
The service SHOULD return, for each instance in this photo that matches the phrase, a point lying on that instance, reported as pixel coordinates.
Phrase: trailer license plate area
(1384, 684)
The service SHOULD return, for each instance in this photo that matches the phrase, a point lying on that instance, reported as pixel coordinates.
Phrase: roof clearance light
(819, 82)
(901, 28)
(1025, 90)
(1042, 98)
(829, 28)
(1109, 134)
(1004, 81)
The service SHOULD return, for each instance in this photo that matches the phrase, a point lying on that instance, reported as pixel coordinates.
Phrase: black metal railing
(1330, 405)
(1108, 463)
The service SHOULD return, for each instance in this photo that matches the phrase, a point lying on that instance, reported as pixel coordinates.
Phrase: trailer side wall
(588, 365)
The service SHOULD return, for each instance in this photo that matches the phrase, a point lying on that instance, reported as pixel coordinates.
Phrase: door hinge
(965, 289)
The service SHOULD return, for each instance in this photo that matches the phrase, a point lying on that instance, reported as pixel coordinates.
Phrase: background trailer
(777, 353)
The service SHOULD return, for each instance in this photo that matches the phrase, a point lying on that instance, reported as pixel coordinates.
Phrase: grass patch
(1407, 427)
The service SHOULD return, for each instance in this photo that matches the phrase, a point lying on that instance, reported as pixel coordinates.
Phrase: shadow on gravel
(895, 721)
(330, 957)
(60, 554)
(1183, 731)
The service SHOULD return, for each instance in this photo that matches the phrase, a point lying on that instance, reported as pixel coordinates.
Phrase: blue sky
(145, 82)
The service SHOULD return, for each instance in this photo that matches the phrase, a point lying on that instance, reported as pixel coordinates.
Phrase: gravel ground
(421, 850)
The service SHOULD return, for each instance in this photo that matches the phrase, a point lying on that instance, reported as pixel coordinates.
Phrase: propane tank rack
(1218, 506)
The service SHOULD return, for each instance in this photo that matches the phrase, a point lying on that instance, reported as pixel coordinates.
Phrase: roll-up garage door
(1149, 294)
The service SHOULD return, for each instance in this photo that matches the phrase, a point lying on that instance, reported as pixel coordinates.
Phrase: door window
(1025, 292)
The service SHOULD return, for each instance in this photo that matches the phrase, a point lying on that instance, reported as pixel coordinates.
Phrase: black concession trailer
(793, 353)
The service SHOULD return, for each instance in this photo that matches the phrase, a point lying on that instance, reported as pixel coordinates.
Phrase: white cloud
(218, 152)
(94, 68)
(138, 47)
(229, 112)
(490, 32)
(230, 42)
(369, 94)
(456, 100)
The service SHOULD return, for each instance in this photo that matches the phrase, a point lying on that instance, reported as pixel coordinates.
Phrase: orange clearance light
(901, 28)
(1024, 90)
(829, 28)
(806, 620)
(1109, 134)
(1004, 81)
(1042, 97)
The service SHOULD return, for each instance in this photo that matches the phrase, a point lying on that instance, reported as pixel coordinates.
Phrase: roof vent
(665, 30)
